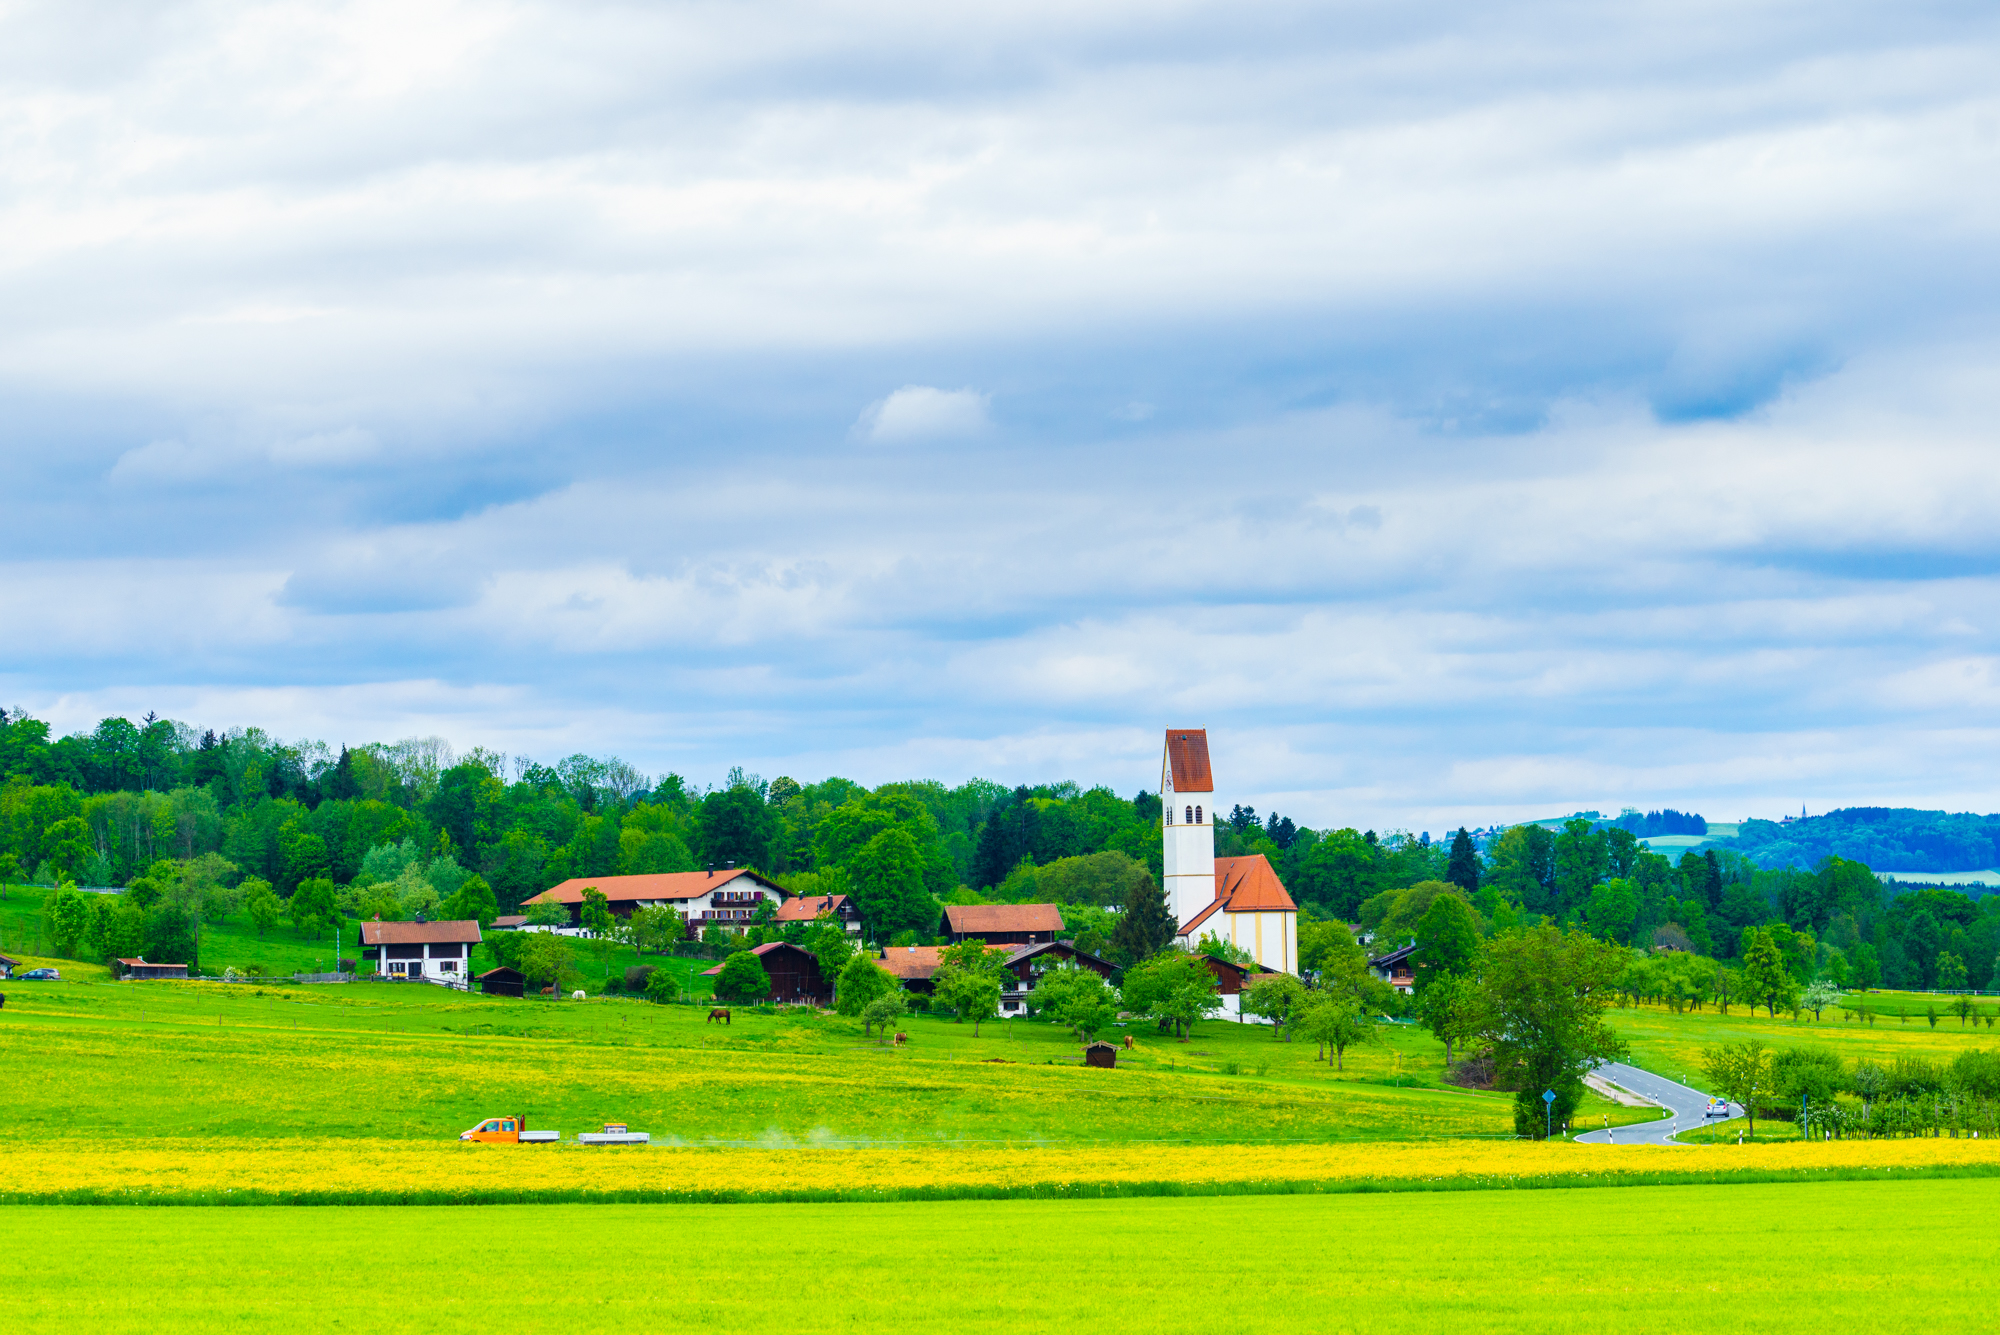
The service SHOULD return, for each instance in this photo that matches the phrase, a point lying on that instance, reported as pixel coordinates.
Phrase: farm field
(1544, 1260)
(1672, 1044)
(408, 1062)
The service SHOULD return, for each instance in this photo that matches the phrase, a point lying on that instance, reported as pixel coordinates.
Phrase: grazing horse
(1128, 1042)
(902, 1038)
(719, 1013)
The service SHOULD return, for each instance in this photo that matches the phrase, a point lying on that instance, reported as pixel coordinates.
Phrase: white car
(1716, 1108)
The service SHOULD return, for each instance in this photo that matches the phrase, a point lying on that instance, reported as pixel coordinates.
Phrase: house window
(447, 966)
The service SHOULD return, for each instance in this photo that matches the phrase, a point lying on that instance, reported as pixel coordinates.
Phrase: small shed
(139, 968)
(7, 966)
(1100, 1053)
(503, 982)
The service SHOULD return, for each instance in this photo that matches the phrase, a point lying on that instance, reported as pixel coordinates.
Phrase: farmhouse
(915, 967)
(794, 972)
(1395, 969)
(430, 951)
(1238, 900)
(811, 908)
(7, 966)
(703, 899)
(140, 969)
(1002, 924)
(1232, 980)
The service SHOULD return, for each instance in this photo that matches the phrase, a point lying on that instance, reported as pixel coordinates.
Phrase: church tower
(1187, 799)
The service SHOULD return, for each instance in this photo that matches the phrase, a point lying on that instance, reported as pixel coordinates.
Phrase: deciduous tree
(1544, 993)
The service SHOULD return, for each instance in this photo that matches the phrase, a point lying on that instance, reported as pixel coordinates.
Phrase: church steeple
(1187, 800)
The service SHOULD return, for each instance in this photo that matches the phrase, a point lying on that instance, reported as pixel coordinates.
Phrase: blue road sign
(1548, 1096)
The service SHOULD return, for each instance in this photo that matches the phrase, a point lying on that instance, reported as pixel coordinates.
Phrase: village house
(7, 966)
(1395, 969)
(434, 952)
(915, 967)
(1002, 924)
(728, 898)
(811, 908)
(794, 973)
(1232, 980)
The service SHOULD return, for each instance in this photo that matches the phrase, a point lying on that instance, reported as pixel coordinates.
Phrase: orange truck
(509, 1131)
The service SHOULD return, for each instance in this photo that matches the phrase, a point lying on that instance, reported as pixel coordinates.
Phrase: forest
(1895, 839)
(240, 824)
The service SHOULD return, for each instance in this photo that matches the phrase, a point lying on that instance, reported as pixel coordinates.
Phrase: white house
(434, 952)
(1240, 900)
(811, 908)
(728, 898)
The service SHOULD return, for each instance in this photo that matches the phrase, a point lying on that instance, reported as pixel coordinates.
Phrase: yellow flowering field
(360, 1171)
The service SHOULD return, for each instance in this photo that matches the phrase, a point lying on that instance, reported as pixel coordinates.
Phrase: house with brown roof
(139, 969)
(811, 908)
(1238, 900)
(1002, 924)
(915, 967)
(432, 952)
(7, 966)
(713, 898)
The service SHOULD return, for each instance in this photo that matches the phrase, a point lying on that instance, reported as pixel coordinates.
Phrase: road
(1684, 1108)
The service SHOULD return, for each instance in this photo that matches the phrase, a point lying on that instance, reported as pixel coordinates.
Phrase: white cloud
(922, 413)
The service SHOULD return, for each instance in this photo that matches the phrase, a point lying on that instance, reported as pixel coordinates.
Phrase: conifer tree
(1144, 928)
(1463, 869)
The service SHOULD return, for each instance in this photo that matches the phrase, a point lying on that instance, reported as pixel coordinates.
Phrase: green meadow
(1752, 1258)
(1672, 1044)
(407, 1061)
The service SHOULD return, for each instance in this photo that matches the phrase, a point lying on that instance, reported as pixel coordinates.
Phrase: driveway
(1683, 1108)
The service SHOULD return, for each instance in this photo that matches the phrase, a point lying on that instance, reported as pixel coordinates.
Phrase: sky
(1466, 412)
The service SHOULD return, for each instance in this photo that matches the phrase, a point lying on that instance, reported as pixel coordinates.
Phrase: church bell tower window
(1188, 815)
(1197, 815)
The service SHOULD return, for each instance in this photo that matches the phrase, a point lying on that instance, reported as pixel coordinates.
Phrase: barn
(139, 968)
(794, 972)
(503, 982)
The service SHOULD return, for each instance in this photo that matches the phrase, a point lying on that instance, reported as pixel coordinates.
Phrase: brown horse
(902, 1038)
(719, 1013)
(1128, 1042)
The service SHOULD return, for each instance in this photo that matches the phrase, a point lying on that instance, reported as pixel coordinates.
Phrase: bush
(742, 980)
(637, 976)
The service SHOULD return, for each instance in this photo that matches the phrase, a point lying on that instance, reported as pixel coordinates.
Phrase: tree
(1463, 869)
(1820, 995)
(1580, 864)
(968, 980)
(546, 958)
(884, 1010)
(67, 847)
(1543, 996)
(742, 980)
(65, 916)
(1144, 928)
(1741, 1073)
(1449, 1008)
(261, 902)
(170, 936)
(655, 928)
(887, 876)
(1867, 969)
(313, 907)
(830, 945)
(661, 986)
(1950, 971)
(548, 913)
(1277, 999)
(1766, 980)
(862, 981)
(1336, 1024)
(473, 900)
(1447, 940)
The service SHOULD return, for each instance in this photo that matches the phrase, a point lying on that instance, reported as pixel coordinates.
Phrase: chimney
(711, 871)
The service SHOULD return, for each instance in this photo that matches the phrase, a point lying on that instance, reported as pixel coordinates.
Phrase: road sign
(1548, 1096)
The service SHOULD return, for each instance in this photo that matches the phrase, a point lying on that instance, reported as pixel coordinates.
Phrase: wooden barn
(1101, 1054)
(503, 982)
(794, 972)
(139, 968)
(1002, 924)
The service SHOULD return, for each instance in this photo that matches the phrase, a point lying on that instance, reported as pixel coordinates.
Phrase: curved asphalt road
(1684, 1108)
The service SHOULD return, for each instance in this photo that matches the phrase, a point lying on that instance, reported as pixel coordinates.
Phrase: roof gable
(660, 885)
(972, 919)
(418, 933)
(807, 908)
(1186, 766)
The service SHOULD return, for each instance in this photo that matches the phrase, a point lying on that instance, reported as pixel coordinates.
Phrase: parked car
(38, 976)
(1716, 1108)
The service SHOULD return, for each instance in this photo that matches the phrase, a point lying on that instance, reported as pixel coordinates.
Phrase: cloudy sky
(1464, 411)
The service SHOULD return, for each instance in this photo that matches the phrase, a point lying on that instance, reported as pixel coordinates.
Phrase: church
(1239, 900)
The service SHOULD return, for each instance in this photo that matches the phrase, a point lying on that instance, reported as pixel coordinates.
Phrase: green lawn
(1666, 1259)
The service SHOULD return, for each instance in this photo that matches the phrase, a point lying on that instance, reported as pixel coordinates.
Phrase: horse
(719, 1013)
(902, 1038)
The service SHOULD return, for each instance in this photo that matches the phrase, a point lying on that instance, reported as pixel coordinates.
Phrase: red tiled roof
(805, 908)
(143, 963)
(511, 920)
(1243, 885)
(972, 919)
(1187, 760)
(911, 962)
(418, 933)
(661, 885)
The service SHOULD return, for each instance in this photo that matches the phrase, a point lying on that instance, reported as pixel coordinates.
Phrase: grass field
(1672, 1044)
(404, 1061)
(1875, 1255)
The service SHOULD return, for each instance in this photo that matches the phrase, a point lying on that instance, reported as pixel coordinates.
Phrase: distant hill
(1898, 839)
